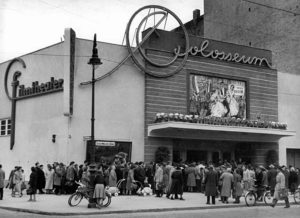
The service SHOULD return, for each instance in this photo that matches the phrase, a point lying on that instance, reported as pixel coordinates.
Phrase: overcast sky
(29, 25)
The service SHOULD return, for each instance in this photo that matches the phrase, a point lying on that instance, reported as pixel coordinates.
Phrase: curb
(128, 211)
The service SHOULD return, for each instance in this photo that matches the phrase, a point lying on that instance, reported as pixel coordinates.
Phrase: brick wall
(170, 95)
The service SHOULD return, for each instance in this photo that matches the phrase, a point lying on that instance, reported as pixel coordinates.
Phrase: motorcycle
(84, 192)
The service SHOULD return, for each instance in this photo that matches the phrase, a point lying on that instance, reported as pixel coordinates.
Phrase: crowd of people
(172, 180)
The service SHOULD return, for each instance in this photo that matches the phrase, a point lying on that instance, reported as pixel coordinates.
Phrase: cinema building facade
(221, 104)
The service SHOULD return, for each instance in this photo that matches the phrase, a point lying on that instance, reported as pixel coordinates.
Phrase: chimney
(196, 15)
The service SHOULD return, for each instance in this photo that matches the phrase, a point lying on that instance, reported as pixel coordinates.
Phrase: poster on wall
(217, 96)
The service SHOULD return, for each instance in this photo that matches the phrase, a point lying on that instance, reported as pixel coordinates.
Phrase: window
(5, 127)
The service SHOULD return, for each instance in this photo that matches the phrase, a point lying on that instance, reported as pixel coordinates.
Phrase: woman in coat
(130, 179)
(158, 178)
(33, 184)
(17, 180)
(211, 185)
(227, 181)
(57, 178)
(280, 185)
(166, 172)
(237, 187)
(99, 192)
(112, 179)
(49, 174)
(177, 183)
(191, 177)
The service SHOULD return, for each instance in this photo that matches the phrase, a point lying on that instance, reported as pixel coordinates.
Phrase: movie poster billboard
(216, 96)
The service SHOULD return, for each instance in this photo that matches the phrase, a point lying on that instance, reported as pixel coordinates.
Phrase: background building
(267, 24)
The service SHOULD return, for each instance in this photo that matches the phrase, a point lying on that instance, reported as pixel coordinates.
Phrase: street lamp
(95, 62)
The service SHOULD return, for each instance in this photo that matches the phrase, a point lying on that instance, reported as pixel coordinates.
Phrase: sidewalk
(58, 205)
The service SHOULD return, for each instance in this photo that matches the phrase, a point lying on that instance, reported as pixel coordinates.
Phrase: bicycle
(84, 192)
(251, 196)
(297, 195)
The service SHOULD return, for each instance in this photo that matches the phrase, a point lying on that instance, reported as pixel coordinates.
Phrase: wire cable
(269, 6)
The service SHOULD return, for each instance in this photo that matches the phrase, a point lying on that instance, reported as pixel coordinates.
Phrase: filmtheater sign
(20, 92)
(53, 85)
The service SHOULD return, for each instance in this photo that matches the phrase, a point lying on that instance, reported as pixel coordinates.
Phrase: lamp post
(95, 62)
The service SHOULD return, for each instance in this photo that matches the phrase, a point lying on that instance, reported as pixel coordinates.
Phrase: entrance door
(196, 155)
(293, 157)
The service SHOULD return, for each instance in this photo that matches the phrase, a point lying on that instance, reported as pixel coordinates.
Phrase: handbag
(23, 186)
(282, 193)
(29, 191)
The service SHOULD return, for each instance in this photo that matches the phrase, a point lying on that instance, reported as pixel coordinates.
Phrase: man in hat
(71, 176)
(211, 184)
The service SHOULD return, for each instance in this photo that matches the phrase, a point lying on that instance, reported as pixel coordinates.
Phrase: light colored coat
(112, 180)
(58, 176)
(49, 179)
(158, 177)
(280, 184)
(227, 181)
(2, 178)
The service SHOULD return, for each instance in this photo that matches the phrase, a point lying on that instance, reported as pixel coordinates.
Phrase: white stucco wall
(288, 110)
(119, 101)
(119, 107)
(37, 118)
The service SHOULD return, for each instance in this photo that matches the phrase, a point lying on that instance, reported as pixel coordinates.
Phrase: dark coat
(286, 175)
(211, 183)
(41, 180)
(33, 182)
(293, 181)
(177, 182)
(272, 178)
(139, 174)
(2, 178)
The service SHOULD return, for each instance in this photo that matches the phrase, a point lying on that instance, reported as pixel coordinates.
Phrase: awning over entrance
(216, 132)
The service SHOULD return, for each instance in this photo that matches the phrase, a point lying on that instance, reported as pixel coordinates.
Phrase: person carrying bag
(281, 193)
